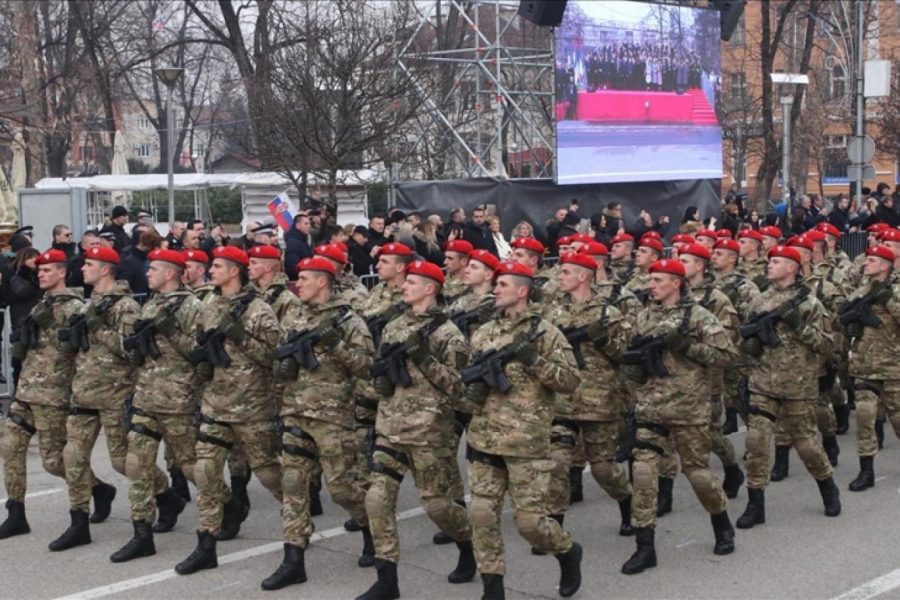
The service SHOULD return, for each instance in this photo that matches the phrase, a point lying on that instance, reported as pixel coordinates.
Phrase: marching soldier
(414, 425)
(528, 251)
(649, 251)
(621, 262)
(346, 284)
(103, 380)
(675, 344)
(41, 402)
(324, 347)
(509, 436)
(707, 237)
(159, 346)
(235, 354)
(754, 248)
(802, 334)
(456, 257)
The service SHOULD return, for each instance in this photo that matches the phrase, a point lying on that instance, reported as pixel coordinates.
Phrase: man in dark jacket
(297, 245)
(133, 266)
(376, 232)
(74, 276)
(476, 232)
(117, 226)
(840, 215)
(173, 238)
(62, 240)
(360, 250)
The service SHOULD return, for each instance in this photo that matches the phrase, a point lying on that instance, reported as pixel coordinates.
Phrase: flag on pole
(283, 210)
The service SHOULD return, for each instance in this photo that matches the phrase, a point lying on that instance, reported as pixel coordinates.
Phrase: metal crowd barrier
(855, 244)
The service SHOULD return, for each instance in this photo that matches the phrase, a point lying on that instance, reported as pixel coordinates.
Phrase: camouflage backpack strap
(685, 327)
(731, 290)
(707, 297)
(615, 294)
(272, 293)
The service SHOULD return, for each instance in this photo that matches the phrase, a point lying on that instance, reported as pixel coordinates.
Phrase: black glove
(417, 349)
(134, 357)
(287, 369)
(854, 330)
(676, 342)
(18, 351)
(384, 386)
(477, 392)
(205, 371)
(329, 336)
(884, 294)
(752, 346)
(793, 319)
(635, 373)
(233, 329)
(93, 321)
(165, 324)
(526, 352)
(486, 312)
(599, 333)
(42, 315)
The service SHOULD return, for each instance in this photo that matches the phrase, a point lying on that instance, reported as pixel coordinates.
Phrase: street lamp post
(787, 102)
(169, 76)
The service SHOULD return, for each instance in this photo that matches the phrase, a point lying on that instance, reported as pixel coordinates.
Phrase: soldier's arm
(449, 356)
(188, 315)
(356, 350)
(555, 368)
(619, 331)
(815, 331)
(713, 346)
(263, 335)
(893, 305)
(120, 321)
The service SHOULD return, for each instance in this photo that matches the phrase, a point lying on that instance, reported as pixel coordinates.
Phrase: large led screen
(637, 86)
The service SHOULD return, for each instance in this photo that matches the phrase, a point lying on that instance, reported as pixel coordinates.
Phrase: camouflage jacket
(622, 270)
(639, 285)
(168, 384)
(873, 355)
(682, 398)
(241, 393)
(471, 302)
(204, 292)
(381, 299)
(791, 369)
(422, 414)
(518, 424)
(740, 291)
(326, 393)
(46, 377)
(103, 377)
(756, 272)
(621, 297)
(596, 398)
(350, 289)
(453, 289)
(707, 295)
(839, 278)
(278, 296)
(547, 280)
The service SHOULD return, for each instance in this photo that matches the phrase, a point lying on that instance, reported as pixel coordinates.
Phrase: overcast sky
(623, 11)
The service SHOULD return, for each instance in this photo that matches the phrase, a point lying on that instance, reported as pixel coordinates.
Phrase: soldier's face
(49, 276)
(693, 265)
(92, 271)
(257, 268)
(475, 273)
(895, 248)
(508, 290)
(222, 272)
(156, 275)
(525, 257)
(723, 259)
(768, 243)
(389, 267)
(194, 273)
(416, 288)
(749, 246)
(872, 240)
(455, 262)
(875, 266)
(620, 251)
(664, 287)
(780, 268)
(309, 284)
(707, 241)
(571, 277)
(645, 256)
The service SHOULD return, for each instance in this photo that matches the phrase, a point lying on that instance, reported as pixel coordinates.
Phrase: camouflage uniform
(756, 272)
(413, 428)
(453, 289)
(164, 403)
(350, 288)
(317, 418)
(41, 403)
(790, 399)
(509, 441)
(622, 270)
(740, 291)
(546, 280)
(639, 285)
(674, 411)
(237, 405)
(103, 380)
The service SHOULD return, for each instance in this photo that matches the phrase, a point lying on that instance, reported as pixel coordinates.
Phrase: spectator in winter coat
(297, 245)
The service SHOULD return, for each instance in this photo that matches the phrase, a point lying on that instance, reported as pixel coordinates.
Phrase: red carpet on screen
(643, 107)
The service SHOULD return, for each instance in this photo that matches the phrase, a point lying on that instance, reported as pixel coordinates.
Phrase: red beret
(750, 234)
(785, 252)
(799, 241)
(829, 229)
(196, 256)
(103, 254)
(264, 251)
(582, 238)
(683, 238)
(317, 263)
(652, 234)
(169, 256)
(342, 246)
(460, 246)
(707, 233)
(732, 245)
(622, 237)
(423, 268)
(395, 249)
(235, 255)
(653, 244)
(668, 265)
(528, 243)
(877, 227)
(771, 231)
(485, 258)
(594, 249)
(579, 259)
(564, 240)
(513, 268)
(723, 233)
(889, 235)
(52, 256)
(881, 252)
(332, 251)
(815, 236)
(698, 250)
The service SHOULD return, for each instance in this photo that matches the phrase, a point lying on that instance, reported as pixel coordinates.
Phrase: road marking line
(684, 544)
(38, 494)
(880, 478)
(873, 588)
(145, 580)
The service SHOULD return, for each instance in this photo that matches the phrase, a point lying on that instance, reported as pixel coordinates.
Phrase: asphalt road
(798, 553)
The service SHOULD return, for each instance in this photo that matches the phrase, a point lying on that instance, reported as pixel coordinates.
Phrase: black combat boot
(103, 494)
(352, 526)
(831, 497)
(570, 570)
(731, 421)
(724, 533)
(465, 567)
(645, 555)
(78, 533)
(367, 558)
(866, 477)
(879, 432)
(782, 459)
(140, 545)
(180, 484)
(734, 477)
(832, 449)
(559, 519)
(203, 556)
(386, 588)
(664, 496)
(755, 513)
(234, 515)
(239, 489)
(170, 505)
(15, 523)
(625, 528)
(292, 569)
(493, 587)
(315, 501)
(842, 416)
(576, 487)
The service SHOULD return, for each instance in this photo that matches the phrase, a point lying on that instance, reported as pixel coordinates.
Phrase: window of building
(142, 150)
(834, 159)
(143, 122)
(200, 149)
(738, 83)
(837, 82)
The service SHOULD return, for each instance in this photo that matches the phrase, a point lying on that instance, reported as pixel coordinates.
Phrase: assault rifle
(391, 360)
(646, 351)
(762, 325)
(301, 344)
(489, 366)
(211, 343)
(143, 339)
(376, 322)
(860, 311)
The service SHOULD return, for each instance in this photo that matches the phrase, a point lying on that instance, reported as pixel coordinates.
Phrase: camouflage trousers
(49, 422)
(731, 397)
(306, 443)
(652, 443)
(799, 422)
(527, 480)
(365, 413)
(870, 397)
(82, 429)
(214, 442)
(595, 441)
(461, 422)
(825, 420)
(179, 432)
(428, 467)
(719, 444)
